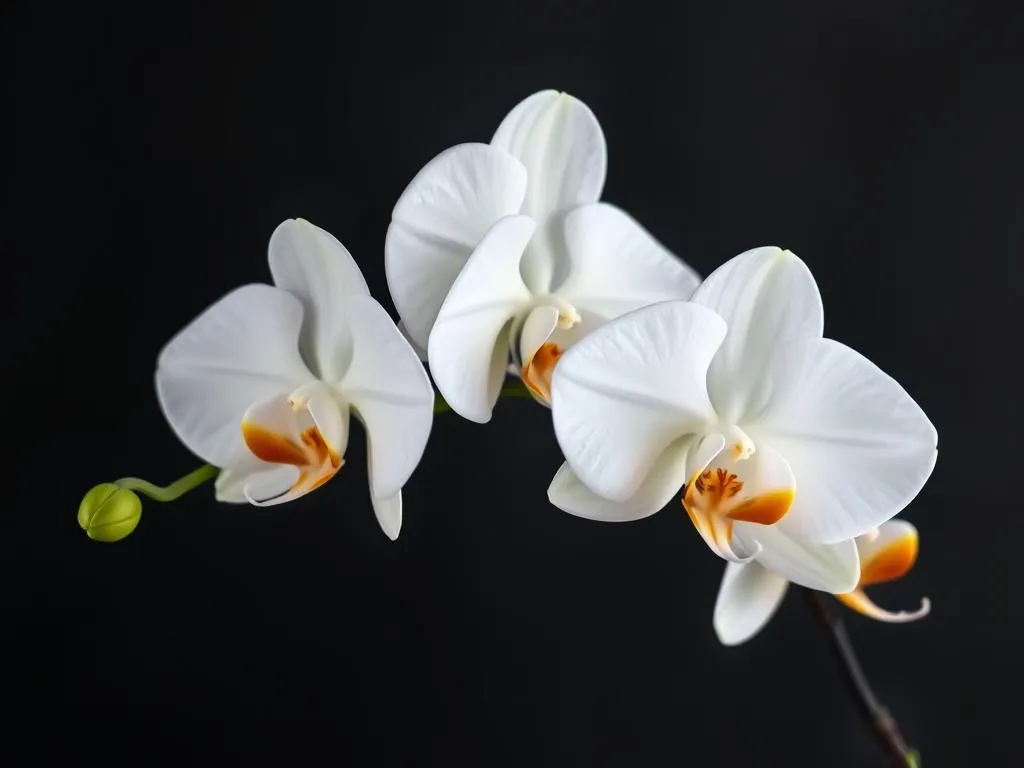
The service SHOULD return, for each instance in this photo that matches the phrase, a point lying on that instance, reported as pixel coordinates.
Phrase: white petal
(749, 596)
(468, 347)
(439, 220)
(627, 390)
(242, 349)
(616, 266)
(390, 391)
(312, 265)
(832, 568)
(860, 447)
(540, 323)
(560, 142)
(275, 486)
(421, 352)
(389, 513)
(665, 481)
(230, 484)
(768, 298)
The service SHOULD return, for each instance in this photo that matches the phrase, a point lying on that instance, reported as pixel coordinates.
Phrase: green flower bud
(109, 512)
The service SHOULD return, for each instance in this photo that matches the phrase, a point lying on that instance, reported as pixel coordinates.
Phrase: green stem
(513, 387)
(175, 490)
(884, 724)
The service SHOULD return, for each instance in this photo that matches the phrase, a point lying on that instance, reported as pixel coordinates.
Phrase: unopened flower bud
(109, 512)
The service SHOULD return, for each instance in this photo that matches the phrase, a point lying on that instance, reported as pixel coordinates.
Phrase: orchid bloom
(501, 251)
(779, 438)
(750, 593)
(263, 382)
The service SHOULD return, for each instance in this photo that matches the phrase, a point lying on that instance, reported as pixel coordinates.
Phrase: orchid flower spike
(262, 383)
(501, 253)
(750, 593)
(774, 437)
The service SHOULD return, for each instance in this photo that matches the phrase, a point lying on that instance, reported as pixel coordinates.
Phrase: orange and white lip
(304, 434)
(885, 555)
(736, 482)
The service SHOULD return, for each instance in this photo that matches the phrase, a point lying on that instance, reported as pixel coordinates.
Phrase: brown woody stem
(884, 725)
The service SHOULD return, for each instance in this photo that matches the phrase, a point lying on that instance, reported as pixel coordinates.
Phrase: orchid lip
(887, 553)
(735, 483)
(304, 430)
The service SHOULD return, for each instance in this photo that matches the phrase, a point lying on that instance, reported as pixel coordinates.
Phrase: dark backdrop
(156, 147)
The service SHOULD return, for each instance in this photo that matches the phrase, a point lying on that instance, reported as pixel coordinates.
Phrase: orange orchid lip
(714, 501)
(316, 461)
(284, 432)
(882, 560)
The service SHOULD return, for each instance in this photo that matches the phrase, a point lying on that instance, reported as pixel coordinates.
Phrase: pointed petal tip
(388, 512)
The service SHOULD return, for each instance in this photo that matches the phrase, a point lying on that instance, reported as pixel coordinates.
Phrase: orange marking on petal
(766, 509)
(717, 485)
(317, 462)
(700, 520)
(315, 480)
(889, 563)
(537, 371)
(272, 447)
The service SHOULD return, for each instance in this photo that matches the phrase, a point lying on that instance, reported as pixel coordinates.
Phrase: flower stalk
(173, 491)
(878, 717)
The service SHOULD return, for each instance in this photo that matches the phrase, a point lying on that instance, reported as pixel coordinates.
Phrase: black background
(155, 149)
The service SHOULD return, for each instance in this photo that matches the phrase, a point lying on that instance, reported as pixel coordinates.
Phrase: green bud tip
(109, 512)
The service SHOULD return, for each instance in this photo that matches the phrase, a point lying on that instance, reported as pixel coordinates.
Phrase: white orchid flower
(778, 437)
(501, 250)
(262, 383)
(751, 593)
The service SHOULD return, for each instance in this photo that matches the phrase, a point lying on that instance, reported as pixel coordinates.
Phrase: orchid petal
(768, 298)
(831, 568)
(421, 352)
(312, 265)
(616, 266)
(240, 350)
(626, 391)
(390, 392)
(388, 511)
(561, 144)
(749, 596)
(663, 482)
(439, 220)
(229, 486)
(468, 347)
(860, 447)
